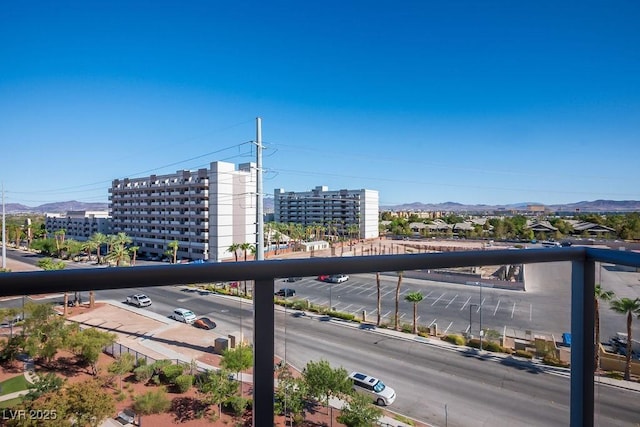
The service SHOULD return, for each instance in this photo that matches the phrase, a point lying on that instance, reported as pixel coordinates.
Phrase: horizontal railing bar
(118, 278)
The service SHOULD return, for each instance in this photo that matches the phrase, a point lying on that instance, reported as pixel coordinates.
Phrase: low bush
(551, 360)
(143, 373)
(341, 315)
(523, 353)
(184, 383)
(455, 339)
(493, 346)
(152, 402)
(238, 405)
(170, 373)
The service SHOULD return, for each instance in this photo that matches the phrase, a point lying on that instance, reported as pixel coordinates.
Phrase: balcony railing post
(582, 342)
(263, 351)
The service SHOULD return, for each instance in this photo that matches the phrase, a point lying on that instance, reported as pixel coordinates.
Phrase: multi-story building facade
(339, 210)
(78, 225)
(205, 211)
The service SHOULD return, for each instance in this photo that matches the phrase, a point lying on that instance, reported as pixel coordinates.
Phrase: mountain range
(596, 206)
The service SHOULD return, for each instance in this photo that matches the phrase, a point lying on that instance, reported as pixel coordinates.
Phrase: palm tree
(379, 296)
(89, 246)
(234, 250)
(415, 298)
(245, 247)
(59, 237)
(99, 239)
(173, 245)
(600, 294)
(134, 251)
(630, 307)
(118, 254)
(397, 318)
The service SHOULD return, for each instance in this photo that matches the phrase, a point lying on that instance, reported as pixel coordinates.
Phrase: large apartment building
(205, 211)
(78, 225)
(339, 209)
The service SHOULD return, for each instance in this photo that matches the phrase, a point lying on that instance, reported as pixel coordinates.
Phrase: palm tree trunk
(627, 368)
(379, 297)
(92, 299)
(397, 319)
(597, 332)
(415, 317)
(66, 304)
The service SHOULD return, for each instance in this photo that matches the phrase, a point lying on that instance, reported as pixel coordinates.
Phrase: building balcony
(266, 275)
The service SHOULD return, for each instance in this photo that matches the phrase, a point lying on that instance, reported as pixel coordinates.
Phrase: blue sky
(465, 101)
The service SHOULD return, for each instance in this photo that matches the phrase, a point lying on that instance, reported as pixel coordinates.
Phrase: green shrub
(171, 372)
(152, 402)
(341, 315)
(493, 346)
(407, 328)
(121, 396)
(238, 405)
(143, 373)
(184, 383)
(551, 360)
(455, 339)
(523, 353)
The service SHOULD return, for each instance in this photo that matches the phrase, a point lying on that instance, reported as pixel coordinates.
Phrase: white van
(183, 315)
(379, 392)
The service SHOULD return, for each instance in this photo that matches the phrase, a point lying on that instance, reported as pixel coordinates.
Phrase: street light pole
(480, 316)
(470, 320)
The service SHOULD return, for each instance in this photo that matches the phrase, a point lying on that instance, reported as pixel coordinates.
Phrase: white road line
(479, 308)
(452, 299)
(364, 290)
(359, 311)
(417, 319)
(387, 313)
(466, 331)
(447, 330)
(496, 310)
(434, 321)
(513, 309)
(347, 307)
(385, 294)
(402, 315)
(465, 303)
(434, 303)
(404, 292)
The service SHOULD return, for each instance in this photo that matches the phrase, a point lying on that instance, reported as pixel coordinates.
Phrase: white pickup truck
(139, 300)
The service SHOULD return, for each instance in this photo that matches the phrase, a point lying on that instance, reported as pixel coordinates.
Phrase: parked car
(139, 300)
(183, 315)
(381, 394)
(338, 278)
(204, 323)
(323, 277)
(286, 292)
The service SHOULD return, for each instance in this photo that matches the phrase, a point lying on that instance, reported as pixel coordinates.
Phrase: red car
(204, 323)
(323, 277)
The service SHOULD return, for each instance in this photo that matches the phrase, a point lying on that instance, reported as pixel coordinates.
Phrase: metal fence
(264, 273)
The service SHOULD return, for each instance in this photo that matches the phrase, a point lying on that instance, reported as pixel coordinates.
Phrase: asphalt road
(430, 381)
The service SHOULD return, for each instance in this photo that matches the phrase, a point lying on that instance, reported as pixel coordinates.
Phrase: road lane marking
(434, 321)
(496, 310)
(513, 310)
(387, 313)
(447, 330)
(434, 303)
(465, 303)
(347, 307)
(452, 299)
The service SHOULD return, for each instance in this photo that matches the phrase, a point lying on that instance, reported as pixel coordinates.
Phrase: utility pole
(259, 195)
(4, 234)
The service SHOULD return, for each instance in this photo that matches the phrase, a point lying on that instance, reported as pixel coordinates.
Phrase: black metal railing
(265, 272)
